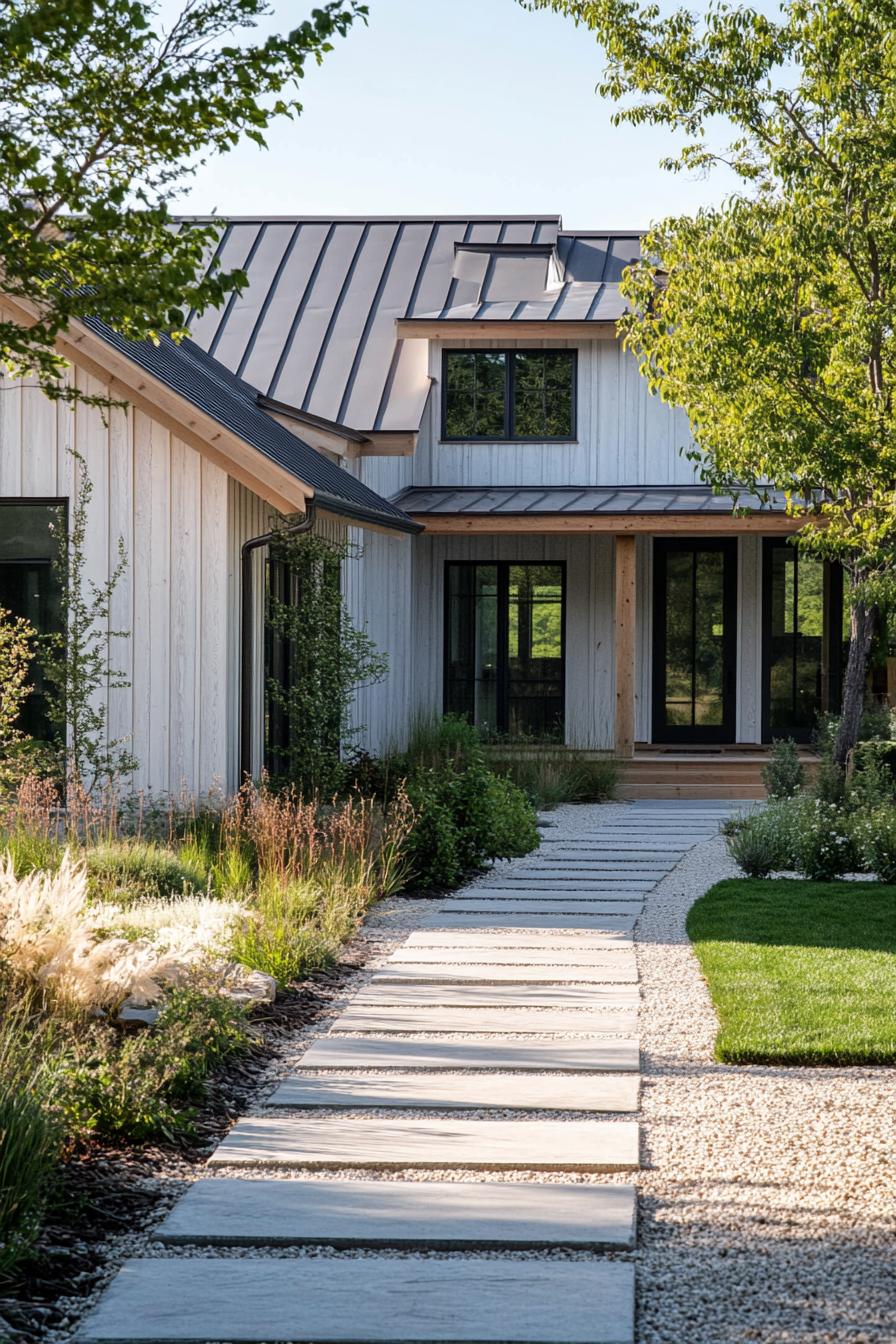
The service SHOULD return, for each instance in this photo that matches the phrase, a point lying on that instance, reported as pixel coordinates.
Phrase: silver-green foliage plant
(330, 659)
(77, 660)
(763, 842)
(784, 776)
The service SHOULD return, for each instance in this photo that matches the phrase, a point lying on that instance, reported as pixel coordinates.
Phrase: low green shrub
(872, 782)
(874, 839)
(550, 778)
(30, 849)
(434, 844)
(126, 871)
(823, 847)
(297, 928)
(763, 842)
(31, 1131)
(143, 1085)
(784, 776)
(514, 830)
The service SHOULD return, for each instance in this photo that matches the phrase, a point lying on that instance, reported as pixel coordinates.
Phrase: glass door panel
(694, 641)
(535, 651)
(471, 667)
(802, 605)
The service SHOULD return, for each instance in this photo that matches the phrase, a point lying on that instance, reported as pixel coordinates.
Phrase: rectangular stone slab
(553, 877)
(612, 954)
(365, 1301)
(463, 1091)
(524, 904)
(378, 995)
(516, 937)
(490, 1021)
(615, 1054)
(506, 973)
(520, 923)
(483, 1145)
(436, 1215)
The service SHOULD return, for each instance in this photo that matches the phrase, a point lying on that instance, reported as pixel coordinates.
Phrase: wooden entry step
(728, 774)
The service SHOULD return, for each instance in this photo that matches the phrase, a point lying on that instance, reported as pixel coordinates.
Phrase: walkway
(496, 1048)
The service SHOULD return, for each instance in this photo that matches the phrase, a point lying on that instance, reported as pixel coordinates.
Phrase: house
(537, 552)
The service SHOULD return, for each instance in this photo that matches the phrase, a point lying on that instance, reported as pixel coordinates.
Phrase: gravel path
(768, 1200)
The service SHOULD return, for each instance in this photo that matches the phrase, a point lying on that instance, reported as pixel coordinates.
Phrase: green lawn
(800, 972)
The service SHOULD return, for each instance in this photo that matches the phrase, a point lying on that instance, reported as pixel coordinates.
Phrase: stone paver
(435, 971)
(518, 994)
(463, 1091)
(488, 1021)
(371, 1301)
(381, 995)
(475, 1052)
(438, 1214)
(485, 1145)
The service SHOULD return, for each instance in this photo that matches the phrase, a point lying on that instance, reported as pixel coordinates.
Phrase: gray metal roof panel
(213, 389)
(315, 328)
(574, 499)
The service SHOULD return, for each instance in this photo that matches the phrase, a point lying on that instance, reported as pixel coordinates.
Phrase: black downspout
(253, 544)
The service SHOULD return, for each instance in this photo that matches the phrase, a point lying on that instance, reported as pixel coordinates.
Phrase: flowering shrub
(763, 842)
(874, 837)
(823, 844)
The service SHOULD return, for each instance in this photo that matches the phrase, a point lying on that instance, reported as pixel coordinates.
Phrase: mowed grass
(800, 972)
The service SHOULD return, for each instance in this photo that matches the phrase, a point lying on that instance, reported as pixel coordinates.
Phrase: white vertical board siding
(377, 588)
(623, 435)
(169, 507)
(589, 621)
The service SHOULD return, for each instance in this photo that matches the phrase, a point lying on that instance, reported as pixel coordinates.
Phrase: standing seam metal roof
(211, 388)
(315, 327)
(577, 499)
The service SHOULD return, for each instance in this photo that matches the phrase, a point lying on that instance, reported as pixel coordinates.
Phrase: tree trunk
(861, 626)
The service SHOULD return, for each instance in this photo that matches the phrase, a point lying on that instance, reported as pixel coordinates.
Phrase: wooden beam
(649, 524)
(452, 329)
(624, 644)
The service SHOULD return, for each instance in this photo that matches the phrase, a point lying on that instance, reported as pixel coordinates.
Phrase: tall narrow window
(504, 647)
(30, 586)
(509, 394)
(802, 620)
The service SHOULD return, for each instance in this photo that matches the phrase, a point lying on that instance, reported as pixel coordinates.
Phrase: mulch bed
(107, 1189)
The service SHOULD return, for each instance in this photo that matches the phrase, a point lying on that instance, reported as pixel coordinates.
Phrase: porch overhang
(618, 510)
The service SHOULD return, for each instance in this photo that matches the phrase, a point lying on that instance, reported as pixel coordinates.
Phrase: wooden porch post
(624, 641)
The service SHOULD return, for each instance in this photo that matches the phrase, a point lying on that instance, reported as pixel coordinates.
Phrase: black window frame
(508, 435)
(61, 504)
(832, 636)
(502, 684)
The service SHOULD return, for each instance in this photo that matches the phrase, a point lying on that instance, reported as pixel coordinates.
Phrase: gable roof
(316, 327)
(218, 393)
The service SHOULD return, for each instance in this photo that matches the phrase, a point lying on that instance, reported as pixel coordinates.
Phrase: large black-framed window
(505, 665)
(802, 640)
(694, 640)
(496, 395)
(31, 532)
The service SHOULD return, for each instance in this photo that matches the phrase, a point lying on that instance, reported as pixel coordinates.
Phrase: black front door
(694, 641)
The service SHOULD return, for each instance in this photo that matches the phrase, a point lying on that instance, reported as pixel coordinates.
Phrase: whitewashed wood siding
(169, 506)
(623, 435)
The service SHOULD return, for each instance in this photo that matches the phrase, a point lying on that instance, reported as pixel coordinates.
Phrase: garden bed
(800, 972)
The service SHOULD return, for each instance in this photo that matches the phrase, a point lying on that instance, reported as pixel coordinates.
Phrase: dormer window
(509, 395)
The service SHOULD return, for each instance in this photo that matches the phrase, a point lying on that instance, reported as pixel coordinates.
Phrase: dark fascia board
(507, 249)
(357, 512)
(306, 418)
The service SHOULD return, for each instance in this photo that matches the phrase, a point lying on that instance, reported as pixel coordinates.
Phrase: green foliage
(823, 843)
(872, 782)
(433, 848)
(329, 659)
(17, 639)
(763, 841)
(784, 776)
(125, 872)
(514, 831)
(799, 972)
(874, 838)
(77, 661)
(298, 927)
(107, 111)
(771, 318)
(144, 1085)
(30, 849)
(31, 1132)
(549, 778)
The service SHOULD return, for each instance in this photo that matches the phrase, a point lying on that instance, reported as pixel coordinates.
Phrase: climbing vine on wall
(317, 660)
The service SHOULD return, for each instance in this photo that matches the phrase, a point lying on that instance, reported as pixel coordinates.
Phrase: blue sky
(455, 106)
